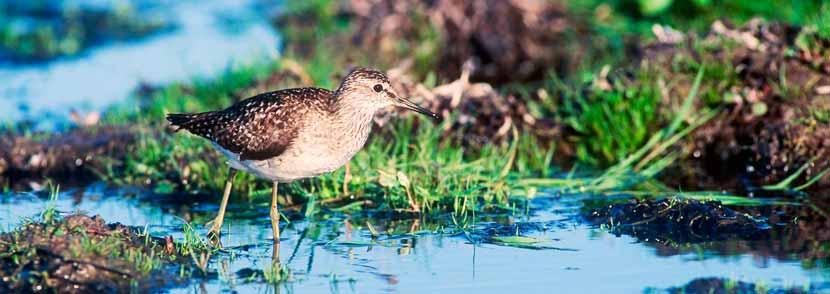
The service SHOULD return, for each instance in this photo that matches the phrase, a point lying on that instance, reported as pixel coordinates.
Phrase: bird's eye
(378, 88)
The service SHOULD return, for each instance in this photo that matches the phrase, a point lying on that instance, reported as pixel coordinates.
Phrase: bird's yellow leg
(275, 214)
(275, 255)
(216, 227)
(346, 178)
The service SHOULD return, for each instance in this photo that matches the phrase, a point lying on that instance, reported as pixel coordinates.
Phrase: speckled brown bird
(293, 134)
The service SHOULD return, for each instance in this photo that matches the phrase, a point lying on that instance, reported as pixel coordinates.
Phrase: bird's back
(260, 127)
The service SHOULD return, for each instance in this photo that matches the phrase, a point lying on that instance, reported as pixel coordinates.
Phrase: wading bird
(293, 134)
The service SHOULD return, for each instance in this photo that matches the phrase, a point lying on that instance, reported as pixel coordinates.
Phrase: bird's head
(370, 90)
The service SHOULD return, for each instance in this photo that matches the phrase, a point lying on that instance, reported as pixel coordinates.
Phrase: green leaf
(517, 240)
(654, 7)
(164, 187)
(387, 180)
(403, 179)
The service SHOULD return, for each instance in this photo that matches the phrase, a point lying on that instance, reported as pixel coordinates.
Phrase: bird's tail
(187, 121)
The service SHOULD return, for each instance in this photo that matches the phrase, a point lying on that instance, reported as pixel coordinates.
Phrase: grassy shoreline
(607, 119)
(594, 123)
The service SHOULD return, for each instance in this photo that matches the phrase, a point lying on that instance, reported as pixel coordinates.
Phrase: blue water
(327, 256)
(210, 37)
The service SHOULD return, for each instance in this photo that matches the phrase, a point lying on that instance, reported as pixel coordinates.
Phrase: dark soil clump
(796, 233)
(82, 254)
(506, 40)
(64, 155)
(675, 220)
(472, 47)
(484, 115)
(724, 286)
(772, 84)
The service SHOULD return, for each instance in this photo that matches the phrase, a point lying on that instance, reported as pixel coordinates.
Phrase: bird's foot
(214, 235)
(214, 238)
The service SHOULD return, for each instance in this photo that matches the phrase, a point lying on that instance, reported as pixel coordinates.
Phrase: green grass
(322, 13)
(639, 168)
(622, 135)
(276, 273)
(788, 183)
(636, 17)
(31, 249)
(610, 123)
(395, 166)
(413, 164)
(432, 171)
(617, 25)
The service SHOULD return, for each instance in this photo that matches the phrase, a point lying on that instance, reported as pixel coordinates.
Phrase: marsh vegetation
(691, 130)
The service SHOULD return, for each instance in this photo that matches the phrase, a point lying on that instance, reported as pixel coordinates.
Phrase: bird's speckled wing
(260, 127)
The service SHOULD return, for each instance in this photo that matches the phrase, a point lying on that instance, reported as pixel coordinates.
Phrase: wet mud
(773, 90)
(550, 231)
(530, 34)
(482, 114)
(60, 156)
(795, 233)
(678, 221)
(679, 227)
(82, 254)
(726, 286)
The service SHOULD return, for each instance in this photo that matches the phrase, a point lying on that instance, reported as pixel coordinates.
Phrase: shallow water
(210, 37)
(414, 256)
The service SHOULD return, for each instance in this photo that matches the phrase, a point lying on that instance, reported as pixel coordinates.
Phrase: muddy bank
(677, 221)
(770, 82)
(507, 41)
(765, 130)
(472, 48)
(796, 233)
(82, 254)
(60, 156)
(681, 227)
(480, 114)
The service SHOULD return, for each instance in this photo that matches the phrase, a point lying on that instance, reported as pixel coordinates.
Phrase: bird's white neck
(355, 122)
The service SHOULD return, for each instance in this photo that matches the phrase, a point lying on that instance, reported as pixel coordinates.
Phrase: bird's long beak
(408, 104)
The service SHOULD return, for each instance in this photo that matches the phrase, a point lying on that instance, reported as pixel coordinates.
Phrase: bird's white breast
(320, 147)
